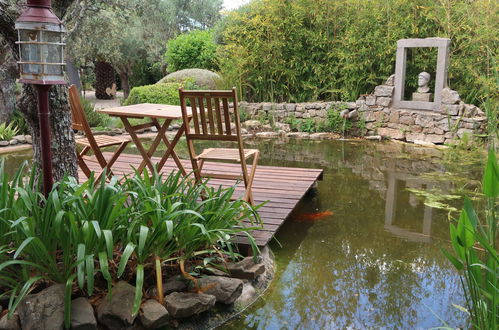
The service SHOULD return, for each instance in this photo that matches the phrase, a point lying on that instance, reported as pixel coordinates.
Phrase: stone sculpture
(422, 93)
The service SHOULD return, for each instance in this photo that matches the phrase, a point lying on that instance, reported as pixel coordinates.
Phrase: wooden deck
(282, 187)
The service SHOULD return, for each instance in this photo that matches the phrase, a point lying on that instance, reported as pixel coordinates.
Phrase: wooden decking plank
(281, 188)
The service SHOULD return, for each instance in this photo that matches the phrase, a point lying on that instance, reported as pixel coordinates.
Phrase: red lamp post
(41, 63)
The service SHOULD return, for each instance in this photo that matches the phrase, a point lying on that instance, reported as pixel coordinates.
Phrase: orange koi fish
(313, 217)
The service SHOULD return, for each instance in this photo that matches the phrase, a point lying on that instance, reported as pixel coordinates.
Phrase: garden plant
(87, 236)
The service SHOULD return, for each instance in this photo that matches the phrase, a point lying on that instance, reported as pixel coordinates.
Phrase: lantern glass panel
(50, 36)
(29, 35)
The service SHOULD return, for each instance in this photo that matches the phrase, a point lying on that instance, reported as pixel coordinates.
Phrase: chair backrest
(78, 120)
(211, 116)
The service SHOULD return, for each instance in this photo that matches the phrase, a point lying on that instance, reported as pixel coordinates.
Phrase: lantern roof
(39, 11)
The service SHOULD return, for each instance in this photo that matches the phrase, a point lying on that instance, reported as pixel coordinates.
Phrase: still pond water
(375, 262)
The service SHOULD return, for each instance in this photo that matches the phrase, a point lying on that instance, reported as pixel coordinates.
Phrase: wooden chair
(91, 142)
(211, 120)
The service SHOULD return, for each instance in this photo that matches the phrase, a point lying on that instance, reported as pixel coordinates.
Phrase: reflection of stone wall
(452, 121)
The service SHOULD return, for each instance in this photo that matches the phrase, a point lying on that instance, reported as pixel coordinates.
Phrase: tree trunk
(125, 84)
(62, 135)
(8, 75)
(104, 78)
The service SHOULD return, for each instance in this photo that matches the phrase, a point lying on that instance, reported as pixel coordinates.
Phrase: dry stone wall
(452, 121)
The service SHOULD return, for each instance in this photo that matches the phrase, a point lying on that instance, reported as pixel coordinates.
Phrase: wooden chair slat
(194, 114)
(219, 116)
(210, 116)
(202, 115)
(225, 103)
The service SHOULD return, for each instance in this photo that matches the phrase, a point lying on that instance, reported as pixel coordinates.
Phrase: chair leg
(248, 196)
(83, 165)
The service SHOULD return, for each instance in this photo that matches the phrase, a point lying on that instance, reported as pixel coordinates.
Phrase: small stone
(173, 284)
(351, 105)
(44, 310)
(117, 312)
(267, 106)
(464, 131)
(267, 127)
(449, 96)
(20, 138)
(283, 127)
(181, 304)
(353, 114)
(252, 124)
(246, 269)
(373, 137)
(225, 289)
(28, 139)
(390, 81)
(267, 135)
(82, 315)
(306, 115)
(424, 143)
(298, 135)
(383, 101)
(406, 120)
(247, 295)
(4, 143)
(424, 121)
(10, 324)
(13, 142)
(153, 315)
(450, 109)
(290, 107)
(154, 129)
(391, 133)
(321, 136)
(383, 90)
(370, 99)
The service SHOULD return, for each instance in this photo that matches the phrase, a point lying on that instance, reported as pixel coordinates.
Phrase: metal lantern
(41, 46)
(41, 63)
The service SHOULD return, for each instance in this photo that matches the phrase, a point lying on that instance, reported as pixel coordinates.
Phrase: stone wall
(453, 120)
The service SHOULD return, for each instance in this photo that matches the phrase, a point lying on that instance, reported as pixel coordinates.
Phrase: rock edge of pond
(225, 298)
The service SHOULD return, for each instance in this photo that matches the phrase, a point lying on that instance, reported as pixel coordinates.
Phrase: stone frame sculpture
(441, 75)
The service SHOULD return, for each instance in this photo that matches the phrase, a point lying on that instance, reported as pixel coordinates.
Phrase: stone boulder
(181, 305)
(10, 324)
(450, 96)
(383, 90)
(173, 284)
(225, 289)
(117, 312)
(203, 78)
(82, 315)
(246, 269)
(153, 315)
(252, 124)
(44, 310)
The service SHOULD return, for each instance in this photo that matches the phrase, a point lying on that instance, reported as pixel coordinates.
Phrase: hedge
(166, 93)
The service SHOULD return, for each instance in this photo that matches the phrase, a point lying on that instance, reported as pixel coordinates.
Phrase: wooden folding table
(155, 112)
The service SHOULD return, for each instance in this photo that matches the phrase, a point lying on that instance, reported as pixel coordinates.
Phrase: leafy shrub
(195, 49)
(93, 234)
(19, 122)
(302, 50)
(7, 132)
(336, 123)
(166, 93)
(93, 117)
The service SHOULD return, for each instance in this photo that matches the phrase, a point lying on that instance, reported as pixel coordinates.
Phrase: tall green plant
(474, 242)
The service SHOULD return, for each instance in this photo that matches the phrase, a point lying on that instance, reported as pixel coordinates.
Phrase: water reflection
(397, 182)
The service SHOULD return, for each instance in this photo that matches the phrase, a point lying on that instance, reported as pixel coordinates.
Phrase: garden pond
(362, 249)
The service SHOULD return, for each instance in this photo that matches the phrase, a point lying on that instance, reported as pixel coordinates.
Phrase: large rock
(202, 78)
(391, 133)
(117, 312)
(383, 90)
(153, 315)
(247, 295)
(44, 310)
(246, 269)
(10, 324)
(449, 96)
(252, 124)
(82, 315)
(181, 304)
(173, 284)
(225, 289)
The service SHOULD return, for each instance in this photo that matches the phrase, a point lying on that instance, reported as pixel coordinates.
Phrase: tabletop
(162, 111)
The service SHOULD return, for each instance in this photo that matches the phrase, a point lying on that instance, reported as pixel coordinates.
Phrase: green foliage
(94, 234)
(93, 117)
(475, 252)
(145, 73)
(195, 49)
(166, 93)
(7, 132)
(18, 121)
(336, 123)
(303, 50)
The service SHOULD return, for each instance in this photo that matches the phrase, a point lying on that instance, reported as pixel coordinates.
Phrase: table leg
(169, 151)
(157, 140)
(136, 140)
